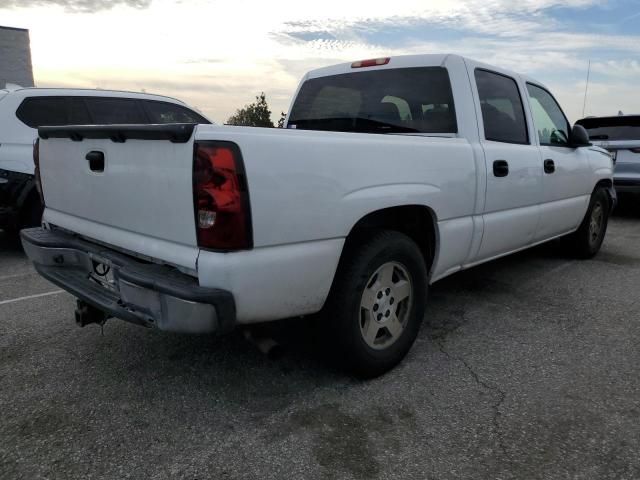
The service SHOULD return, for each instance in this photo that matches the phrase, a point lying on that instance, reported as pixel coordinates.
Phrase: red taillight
(374, 62)
(220, 197)
(36, 172)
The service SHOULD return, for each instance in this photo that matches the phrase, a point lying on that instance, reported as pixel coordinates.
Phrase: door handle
(96, 161)
(549, 166)
(500, 168)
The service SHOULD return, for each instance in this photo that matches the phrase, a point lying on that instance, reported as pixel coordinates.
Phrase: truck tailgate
(141, 200)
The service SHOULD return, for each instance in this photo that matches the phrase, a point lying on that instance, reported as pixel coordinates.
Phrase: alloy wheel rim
(385, 305)
(595, 222)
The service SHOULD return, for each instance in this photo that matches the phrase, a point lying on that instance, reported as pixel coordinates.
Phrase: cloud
(603, 98)
(79, 6)
(218, 54)
(618, 68)
(503, 18)
(201, 61)
(312, 35)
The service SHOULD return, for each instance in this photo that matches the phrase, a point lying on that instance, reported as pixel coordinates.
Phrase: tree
(283, 117)
(256, 114)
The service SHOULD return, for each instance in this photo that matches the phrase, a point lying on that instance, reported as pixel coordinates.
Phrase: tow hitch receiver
(87, 314)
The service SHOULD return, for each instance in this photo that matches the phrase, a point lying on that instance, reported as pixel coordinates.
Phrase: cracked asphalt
(525, 368)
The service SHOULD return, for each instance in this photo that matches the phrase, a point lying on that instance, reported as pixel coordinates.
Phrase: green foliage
(256, 114)
(283, 117)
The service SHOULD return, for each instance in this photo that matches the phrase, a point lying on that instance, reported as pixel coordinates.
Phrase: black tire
(343, 311)
(586, 241)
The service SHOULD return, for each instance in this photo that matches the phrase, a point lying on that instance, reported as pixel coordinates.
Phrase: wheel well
(608, 186)
(606, 182)
(416, 221)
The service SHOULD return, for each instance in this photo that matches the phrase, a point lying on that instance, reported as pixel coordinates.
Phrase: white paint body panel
(274, 282)
(143, 191)
(181, 255)
(308, 189)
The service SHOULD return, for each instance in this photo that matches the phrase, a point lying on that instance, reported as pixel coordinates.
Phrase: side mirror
(579, 137)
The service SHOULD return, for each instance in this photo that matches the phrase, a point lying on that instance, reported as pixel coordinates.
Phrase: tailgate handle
(96, 161)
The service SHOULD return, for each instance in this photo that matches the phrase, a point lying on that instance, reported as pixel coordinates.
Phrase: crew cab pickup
(390, 175)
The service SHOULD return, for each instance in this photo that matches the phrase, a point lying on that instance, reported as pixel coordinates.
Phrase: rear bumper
(146, 294)
(626, 175)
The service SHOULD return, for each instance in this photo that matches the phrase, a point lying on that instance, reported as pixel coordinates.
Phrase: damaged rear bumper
(121, 286)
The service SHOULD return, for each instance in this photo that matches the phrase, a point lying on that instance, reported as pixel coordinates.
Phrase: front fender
(613, 196)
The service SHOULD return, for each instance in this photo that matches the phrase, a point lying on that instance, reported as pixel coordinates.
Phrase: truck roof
(407, 61)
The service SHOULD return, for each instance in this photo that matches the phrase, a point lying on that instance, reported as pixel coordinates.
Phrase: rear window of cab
(399, 100)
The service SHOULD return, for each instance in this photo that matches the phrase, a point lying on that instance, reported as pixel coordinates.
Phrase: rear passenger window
(502, 110)
(109, 111)
(38, 111)
(165, 112)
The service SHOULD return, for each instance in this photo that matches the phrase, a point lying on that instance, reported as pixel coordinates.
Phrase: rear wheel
(377, 303)
(587, 240)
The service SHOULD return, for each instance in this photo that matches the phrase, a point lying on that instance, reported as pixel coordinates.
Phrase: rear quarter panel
(308, 189)
(308, 185)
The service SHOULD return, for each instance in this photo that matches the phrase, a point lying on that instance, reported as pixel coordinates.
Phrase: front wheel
(587, 240)
(377, 303)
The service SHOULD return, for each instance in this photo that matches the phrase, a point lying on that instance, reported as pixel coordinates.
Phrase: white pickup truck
(391, 174)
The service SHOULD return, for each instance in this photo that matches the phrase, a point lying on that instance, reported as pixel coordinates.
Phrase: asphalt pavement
(525, 368)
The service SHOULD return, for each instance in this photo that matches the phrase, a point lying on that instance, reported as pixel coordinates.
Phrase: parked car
(23, 110)
(620, 135)
(391, 174)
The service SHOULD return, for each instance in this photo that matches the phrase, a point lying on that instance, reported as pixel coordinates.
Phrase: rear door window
(114, 111)
(502, 108)
(38, 111)
(165, 112)
(398, 100)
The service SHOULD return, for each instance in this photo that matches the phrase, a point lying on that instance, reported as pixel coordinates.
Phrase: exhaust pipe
(266, 345)
(87, 314)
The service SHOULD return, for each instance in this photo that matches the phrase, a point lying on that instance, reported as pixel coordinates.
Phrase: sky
(217, 55)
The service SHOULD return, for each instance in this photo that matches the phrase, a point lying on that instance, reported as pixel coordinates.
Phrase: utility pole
(586, 87)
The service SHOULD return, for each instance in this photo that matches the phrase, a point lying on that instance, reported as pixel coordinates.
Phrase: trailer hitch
(87, 314)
